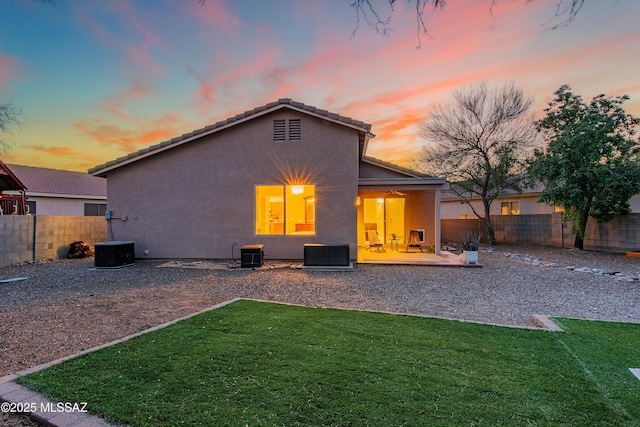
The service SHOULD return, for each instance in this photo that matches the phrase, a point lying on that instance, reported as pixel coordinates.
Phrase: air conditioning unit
(317, 255)
(114, 254)
(251, 256)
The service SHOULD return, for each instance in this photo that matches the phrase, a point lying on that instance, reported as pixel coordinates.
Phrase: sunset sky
(98, 79)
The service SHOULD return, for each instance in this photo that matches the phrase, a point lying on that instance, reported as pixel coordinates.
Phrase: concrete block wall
(32, 238)
(620, 235)
(454, 230)
(534, 229)
(16, 238)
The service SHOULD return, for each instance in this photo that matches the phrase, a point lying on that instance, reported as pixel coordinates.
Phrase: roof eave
(59, 195)
(403, 183)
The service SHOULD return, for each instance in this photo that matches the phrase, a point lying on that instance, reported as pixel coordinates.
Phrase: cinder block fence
(620, 235)
(37, 237)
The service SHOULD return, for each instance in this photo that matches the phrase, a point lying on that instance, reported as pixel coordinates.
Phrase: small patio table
(394, 242)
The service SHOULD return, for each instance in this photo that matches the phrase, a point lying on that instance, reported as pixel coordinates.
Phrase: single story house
(60, 192)
(515, 203)
(282, 175)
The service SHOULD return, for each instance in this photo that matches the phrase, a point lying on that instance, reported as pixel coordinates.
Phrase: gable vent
(294, 130)
(279, 130)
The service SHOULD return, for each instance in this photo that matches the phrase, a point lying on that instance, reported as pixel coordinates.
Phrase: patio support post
(437, 221)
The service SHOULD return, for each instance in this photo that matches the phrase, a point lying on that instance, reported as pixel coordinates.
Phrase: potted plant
(470, 247)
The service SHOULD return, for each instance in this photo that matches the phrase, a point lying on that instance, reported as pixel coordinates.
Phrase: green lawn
(252, 363)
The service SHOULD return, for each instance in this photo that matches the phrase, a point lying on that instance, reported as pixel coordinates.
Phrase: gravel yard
(65, 306)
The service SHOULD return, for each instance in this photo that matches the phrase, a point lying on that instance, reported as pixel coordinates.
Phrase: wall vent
(295, 130)
(279, 130)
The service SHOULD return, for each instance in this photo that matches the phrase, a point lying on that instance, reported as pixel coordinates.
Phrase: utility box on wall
(114, 254)
(251, 256)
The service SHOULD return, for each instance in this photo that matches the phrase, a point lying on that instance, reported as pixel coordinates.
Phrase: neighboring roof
(402, 178)
(394, 167)
(47, 181)
(363, 128)
(531, 191)
(8, 180)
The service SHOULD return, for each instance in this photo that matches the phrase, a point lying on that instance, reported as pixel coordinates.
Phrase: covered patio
(400, 256)
(398, 207)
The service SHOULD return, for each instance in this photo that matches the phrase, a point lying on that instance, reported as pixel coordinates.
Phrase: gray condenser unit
(251, 256)
(114, 254)
(316, 255)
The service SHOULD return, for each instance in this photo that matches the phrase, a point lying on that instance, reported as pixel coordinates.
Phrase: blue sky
(98, 79)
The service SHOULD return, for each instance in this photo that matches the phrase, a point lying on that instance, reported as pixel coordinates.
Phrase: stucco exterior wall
(421, 215)
(196, 200)
(635, 203)
(61, 206)
(529, 205)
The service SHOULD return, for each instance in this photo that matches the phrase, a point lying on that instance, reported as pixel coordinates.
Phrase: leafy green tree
(480, 142)
(591, 163)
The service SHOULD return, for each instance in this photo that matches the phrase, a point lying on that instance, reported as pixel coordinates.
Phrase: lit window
(504, 208)
(287, 209)
(515, 208)
(510, 208)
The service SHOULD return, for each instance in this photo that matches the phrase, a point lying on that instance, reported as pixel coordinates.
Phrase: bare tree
(8, 118)
(565, 13)
(480, 142)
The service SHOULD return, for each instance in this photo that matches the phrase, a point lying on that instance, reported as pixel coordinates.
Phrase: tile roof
(363, 127)
(536, 189)
(56, 181)
(397, 168)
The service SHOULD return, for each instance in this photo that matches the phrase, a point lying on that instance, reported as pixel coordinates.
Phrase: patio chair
(374, 241)
(414, 240)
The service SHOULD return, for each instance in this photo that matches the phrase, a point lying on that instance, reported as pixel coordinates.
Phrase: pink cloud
(228, 89)
(143, 133)
(54, 151)
(114, 102)
(8, 69)
(216, 12)
(205, 97)
(66, 158)
(139, 47)
(99, 32)
(139, 53)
